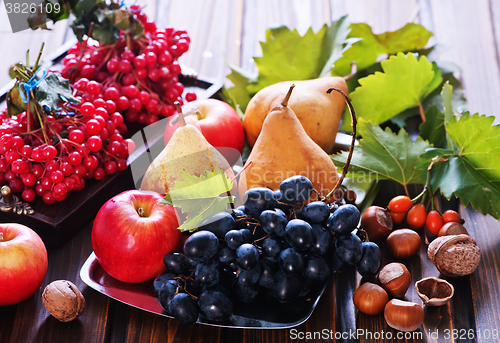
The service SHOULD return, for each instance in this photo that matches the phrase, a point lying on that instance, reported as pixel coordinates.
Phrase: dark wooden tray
(58, 222)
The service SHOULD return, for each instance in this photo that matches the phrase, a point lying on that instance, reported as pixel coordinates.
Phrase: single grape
(314, 212)
(296, 189)
(370, 260)
(273, 222)
(207, 272)
(246, 293)
(348, 248)
(316, 268)
(285, 287)
(167, 292)
(344, 220)
(269, 269)
(322, 240)
(234, 239)
(184, 308)
(201, 245)
(226, 256)
(271, 248)
(249, 277)
(247, 256)
(258, 199)
(291, 261)
(215, 305)
(161, 279)
(219, 224)
(247, 235)
(175, 262)
(298, 234)
(193, 287)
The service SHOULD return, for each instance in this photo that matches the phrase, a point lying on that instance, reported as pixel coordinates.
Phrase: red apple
(217, 121)
(132, 233)
(23, 263)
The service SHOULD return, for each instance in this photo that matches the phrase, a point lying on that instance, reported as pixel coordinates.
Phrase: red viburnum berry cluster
(78, 143)
(140, 76)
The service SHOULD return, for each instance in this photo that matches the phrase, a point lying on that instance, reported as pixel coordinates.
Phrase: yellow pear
(318, 112)
(284, 149)
(188, 151)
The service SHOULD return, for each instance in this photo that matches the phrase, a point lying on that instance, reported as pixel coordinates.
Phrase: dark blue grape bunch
(279, 243)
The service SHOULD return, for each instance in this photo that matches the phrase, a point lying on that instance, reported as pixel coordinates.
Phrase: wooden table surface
(468, 34)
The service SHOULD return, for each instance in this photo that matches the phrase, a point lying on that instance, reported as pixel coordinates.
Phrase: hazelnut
(454, 255)
(63, 300)
(377, 223)
(370, 298)
(403, 243)
(434, 291)
(395, 279)
(403, 315)
(452, 228)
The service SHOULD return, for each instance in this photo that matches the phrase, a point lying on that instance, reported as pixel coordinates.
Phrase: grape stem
(353, 141)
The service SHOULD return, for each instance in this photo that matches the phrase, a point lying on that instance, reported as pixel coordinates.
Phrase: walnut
(63, 300)
(454, 255)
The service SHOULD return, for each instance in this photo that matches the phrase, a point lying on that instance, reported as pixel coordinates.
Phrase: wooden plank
(485, 280)
(469, 34)
(214, 32)
(30, 322)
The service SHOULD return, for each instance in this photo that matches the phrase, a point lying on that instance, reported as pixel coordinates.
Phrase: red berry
(121, 164)
(94, 143)
(28, 179)
(99, 174)
(150, 58)
(101, 112)
(17, 142)
(122, 103)
(19, 166)
(135, 105)
(11, 156)
(88, 71)
(125, 67)
(80, 170)
(165, 58)
(93, 127)
(57, 176)
(128, 55)
(175, 68)
(90, 163)
(87, 108)
(401, 203)
(76, 136)
(451, 216)
(416, 216)
(140, 62)
(100, 102)
(434, 222)
(141, 73)
(28, 195)
(116, 118)
(154, 75)
(110, 106)
(16, 185)
(70, 183)
(190, 96)
(111, 93)
(80, 185)
(129, 79)
(48, 198)
(49, 152)
(38, 171)
(144, 97)
(94, 87)
(113, 64)
(110, 167)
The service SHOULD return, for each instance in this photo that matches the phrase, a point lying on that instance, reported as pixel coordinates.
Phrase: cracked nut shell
(434, 291)
(454, 255)
(63, 300)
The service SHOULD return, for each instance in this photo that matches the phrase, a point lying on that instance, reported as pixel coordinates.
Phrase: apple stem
(181, 115)
(284, 103)
(1, 236)
(140, 211)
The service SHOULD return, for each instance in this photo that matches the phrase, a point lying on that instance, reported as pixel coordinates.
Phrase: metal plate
(264, 313)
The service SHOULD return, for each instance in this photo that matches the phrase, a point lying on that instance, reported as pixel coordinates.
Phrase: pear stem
(181, 115)
(284, 103)
(353, 141)
(248, 164)
(354, 70)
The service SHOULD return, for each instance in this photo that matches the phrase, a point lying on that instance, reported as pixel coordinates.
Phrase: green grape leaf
(52, 89)
(411, 37)
(404, 84)
(432, 130)
(237, 95)
(286, 55)
(385, 155)
(200, 197)
(473, 172)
